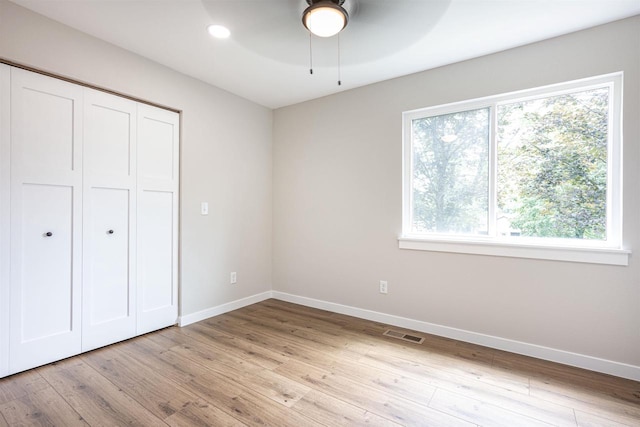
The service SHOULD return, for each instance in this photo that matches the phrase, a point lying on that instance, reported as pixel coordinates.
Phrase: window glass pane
(552, 166)
(451, 173)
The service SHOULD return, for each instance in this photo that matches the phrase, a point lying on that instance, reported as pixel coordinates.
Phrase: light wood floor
(280, 364)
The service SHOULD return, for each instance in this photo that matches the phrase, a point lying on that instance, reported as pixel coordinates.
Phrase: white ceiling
(266, 59)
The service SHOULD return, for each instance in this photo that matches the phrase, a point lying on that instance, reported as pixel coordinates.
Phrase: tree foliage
(450, 180)
(553, 165)
(551, 170)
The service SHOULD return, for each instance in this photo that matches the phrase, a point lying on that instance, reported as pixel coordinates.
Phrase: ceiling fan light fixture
(325, 18)
(219, 31)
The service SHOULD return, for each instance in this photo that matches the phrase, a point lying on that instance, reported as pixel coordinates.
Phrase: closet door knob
(48, 234)
(110, 231)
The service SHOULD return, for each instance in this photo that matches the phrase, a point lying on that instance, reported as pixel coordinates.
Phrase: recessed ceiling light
(219, 31)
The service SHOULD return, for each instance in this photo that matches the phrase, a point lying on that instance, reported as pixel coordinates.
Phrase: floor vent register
(402, 336)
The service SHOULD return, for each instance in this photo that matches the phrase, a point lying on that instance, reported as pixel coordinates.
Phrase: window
(534, 174)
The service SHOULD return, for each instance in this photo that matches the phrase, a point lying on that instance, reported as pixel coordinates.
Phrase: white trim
(223, 308)
(514, 250)
(516, 96)
(610, 367)
(5, 231)
(545, 353)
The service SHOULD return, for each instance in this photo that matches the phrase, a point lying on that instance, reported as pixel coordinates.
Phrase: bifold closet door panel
(45, 224)
(157, 249)
(5, 90)
(88, 219)
(109, 278)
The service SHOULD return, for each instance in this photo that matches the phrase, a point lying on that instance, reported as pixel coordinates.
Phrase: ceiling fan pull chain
(339, 78)
(310, 56)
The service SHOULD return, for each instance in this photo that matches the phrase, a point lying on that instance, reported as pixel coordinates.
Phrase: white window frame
(610, 251)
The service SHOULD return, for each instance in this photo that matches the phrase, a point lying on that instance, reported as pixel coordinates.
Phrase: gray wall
(225, 152)
(337, 208)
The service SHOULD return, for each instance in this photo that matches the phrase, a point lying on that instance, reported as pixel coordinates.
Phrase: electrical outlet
(234, 278)
(204, 208)
(383, 286)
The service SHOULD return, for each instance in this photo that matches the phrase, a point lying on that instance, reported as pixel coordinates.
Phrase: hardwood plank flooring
(280, 364)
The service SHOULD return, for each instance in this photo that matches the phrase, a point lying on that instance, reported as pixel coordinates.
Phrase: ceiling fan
(369, 29)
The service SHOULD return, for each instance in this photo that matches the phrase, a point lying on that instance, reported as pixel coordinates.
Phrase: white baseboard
(224, 308)
(560, 356)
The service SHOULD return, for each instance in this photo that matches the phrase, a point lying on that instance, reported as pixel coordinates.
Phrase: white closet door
(157, 249)
(109, 277)
(46, 193)
(5, 89)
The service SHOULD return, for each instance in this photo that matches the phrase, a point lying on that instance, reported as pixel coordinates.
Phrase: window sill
(506, 249)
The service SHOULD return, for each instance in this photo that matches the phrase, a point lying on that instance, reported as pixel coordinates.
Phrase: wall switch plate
(383, 286)
(233, 278)
(204, 208)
